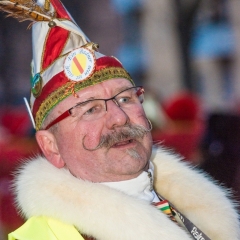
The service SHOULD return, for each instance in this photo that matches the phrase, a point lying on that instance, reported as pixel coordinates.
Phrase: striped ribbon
(180, 219)
(165, 208)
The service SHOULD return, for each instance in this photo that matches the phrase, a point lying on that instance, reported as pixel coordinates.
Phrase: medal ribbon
(179, 218)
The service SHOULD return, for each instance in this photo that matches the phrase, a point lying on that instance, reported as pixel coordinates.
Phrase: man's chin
(133, 153)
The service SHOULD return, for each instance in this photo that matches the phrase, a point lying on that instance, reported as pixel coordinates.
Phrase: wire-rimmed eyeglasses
(96, 108)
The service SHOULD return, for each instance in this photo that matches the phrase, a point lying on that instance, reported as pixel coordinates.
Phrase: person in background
(183, 128)
(97, 177)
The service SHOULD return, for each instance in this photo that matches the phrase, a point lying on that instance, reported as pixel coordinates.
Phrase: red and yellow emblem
(79, 64)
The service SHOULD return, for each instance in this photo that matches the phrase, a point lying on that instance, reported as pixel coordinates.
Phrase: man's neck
(139, 187)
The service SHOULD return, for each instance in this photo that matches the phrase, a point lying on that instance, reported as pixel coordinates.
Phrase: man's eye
(124, 99)
(93, 110)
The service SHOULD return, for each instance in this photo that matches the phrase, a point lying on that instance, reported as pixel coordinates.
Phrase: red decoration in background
(183, 106)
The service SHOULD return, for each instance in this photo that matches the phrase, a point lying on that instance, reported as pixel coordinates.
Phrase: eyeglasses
(94, 109)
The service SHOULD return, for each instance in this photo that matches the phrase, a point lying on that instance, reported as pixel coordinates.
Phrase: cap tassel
(71, 89)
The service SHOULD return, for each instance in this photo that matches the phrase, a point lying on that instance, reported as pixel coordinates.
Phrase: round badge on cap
(79, 64)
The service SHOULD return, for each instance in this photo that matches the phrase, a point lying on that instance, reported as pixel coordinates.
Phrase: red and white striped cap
(64, 61)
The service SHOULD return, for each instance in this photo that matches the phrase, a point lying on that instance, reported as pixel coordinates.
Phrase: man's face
(76, 137)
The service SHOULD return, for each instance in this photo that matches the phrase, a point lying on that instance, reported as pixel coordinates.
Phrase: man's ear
(48, 145)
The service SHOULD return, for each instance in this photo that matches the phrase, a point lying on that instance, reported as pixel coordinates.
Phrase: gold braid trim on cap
(59, 94)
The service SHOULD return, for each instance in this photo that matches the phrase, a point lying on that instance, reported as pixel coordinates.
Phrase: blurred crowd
(185, 53)
(16, 144)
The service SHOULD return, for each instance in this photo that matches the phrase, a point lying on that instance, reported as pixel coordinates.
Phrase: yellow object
(44, 228)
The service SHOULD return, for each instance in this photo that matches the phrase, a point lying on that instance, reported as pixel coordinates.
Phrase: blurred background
(186, 53)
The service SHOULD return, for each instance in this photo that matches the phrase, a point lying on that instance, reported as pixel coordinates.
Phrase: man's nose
(116, 116)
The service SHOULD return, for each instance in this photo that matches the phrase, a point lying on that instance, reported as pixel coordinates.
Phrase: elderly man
(98, 178)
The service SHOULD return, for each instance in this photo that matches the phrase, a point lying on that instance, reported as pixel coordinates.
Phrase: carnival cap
(64, 60)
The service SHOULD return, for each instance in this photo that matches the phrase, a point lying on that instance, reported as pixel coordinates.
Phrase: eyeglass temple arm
(58, 119)
(140, 91)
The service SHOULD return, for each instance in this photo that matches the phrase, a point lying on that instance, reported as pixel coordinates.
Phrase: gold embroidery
(58, 95)
(47, 5)
(72, 89)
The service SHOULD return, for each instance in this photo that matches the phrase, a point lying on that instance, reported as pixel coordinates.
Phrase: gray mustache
(126, 132)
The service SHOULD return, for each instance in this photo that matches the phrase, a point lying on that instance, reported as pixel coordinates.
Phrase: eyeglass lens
(95, 109)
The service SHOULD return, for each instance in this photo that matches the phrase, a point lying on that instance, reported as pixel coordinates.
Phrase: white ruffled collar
(139, 187)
